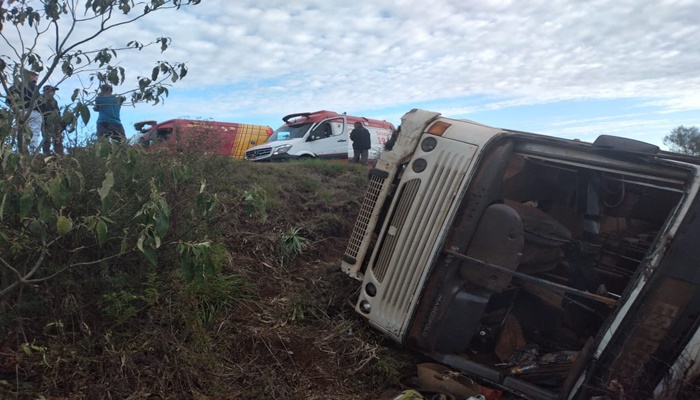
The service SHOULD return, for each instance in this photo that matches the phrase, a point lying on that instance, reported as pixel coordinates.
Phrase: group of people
(45, 125)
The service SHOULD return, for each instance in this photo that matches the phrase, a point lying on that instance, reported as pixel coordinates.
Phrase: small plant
(309, 184)
(122, 305)
(31, 348)
(305, 307)
(255, 201)
(325, 197)
(215, 295)
(292, 244)
(196, 261)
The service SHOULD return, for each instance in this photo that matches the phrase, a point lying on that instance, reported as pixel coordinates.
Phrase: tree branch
(25, 279)
(76, 265)
(8, 266)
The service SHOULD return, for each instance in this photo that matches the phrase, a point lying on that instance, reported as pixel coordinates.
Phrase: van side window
(321, 132)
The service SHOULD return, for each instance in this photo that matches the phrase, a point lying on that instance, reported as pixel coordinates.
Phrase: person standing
(20, 100)
(52, 128)
(109, 124)
(361, 143)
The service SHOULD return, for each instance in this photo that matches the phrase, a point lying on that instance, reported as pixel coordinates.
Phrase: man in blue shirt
(109, 124)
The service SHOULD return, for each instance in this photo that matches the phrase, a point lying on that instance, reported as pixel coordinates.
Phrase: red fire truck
(206, 137)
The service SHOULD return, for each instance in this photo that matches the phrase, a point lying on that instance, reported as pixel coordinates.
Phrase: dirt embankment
(275, 321)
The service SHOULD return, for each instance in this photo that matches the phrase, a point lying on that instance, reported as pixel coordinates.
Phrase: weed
(292, 244)
(304, 308)
(216, 294)
(327, 168)
(256, 203)
(121, 305)
(325, 197)
(196, 261)
(309, 184)
(387, 366)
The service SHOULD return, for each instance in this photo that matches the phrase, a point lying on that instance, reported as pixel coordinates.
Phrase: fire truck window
(164, 134)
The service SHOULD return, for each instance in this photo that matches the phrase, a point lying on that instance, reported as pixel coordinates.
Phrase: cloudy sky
(573, 69)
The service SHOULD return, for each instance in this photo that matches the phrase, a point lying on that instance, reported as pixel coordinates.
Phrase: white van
(320, 134)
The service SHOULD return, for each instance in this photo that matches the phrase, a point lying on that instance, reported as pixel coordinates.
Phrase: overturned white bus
(551, 268)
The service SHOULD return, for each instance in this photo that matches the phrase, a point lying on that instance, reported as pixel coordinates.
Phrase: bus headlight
(370, 289)
(365, 307)
(419, 165)
(428, 144)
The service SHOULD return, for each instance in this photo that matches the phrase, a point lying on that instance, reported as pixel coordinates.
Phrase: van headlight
(282, 149)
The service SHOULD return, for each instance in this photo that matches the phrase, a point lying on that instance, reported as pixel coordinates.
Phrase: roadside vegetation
(134, 276)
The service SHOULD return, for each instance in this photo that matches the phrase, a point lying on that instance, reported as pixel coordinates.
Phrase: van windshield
(136, 138)
(287, 132)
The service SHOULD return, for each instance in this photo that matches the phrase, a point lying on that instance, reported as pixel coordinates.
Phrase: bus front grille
(376, 182)
(419, 215)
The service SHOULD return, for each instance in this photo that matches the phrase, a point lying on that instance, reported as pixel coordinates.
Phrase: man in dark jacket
(361, 143)
(52, 127)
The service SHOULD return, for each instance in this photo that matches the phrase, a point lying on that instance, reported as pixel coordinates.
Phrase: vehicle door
(160, 136)
(329, 138)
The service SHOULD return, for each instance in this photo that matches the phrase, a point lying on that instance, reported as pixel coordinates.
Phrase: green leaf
(103, 149)
(26, 201)
(60, 192)
(36, 228)
(139, 242)
(162, 224)
(150, 255)
(84, 112)
(107, 184)
(187, 269)
(44, 209)
(63, 225)
(2, 206)
(124, 245)
(78, 186)
(101, 230)
(67, 68)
